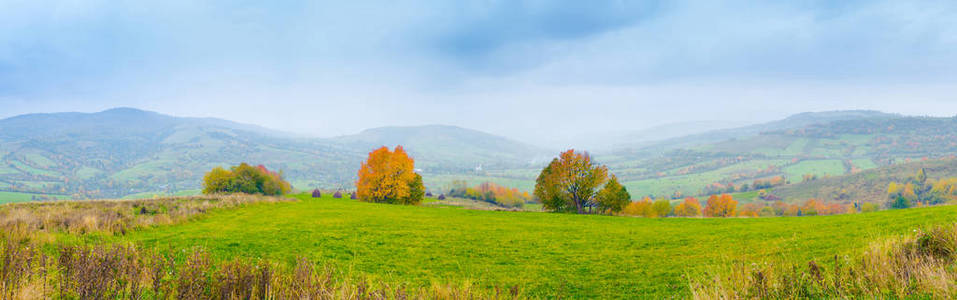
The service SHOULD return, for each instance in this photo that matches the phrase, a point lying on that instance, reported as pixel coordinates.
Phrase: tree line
(571, 183)
(918, 190)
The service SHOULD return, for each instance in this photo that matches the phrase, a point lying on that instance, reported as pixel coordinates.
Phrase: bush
(337, 195)
(870, 207)
(245, 179)
(491, 193)
(316, 193)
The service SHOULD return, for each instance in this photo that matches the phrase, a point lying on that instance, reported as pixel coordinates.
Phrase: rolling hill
(126, 151)
(865, 186)
(449, 147)
(831, 148)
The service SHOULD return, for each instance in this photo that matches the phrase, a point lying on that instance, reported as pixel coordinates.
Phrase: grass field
(10, 197)
(545, 254)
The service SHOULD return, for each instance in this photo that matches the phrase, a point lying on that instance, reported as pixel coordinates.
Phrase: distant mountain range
(128, 151)
(795, 121)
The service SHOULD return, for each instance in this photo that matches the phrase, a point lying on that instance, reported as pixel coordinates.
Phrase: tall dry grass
(112, 216)
(125, 272)
(921, 265)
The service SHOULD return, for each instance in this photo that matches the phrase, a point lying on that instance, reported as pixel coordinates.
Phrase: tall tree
(570, 183)
(389, 177)
(613, 197)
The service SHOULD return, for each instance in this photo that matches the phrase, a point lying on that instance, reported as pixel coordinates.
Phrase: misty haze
(478, 150)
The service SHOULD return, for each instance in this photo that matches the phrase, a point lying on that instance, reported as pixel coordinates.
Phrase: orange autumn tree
(389, 177)
(720, 206)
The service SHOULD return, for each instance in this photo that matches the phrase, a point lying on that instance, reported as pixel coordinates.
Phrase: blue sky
(543, 71)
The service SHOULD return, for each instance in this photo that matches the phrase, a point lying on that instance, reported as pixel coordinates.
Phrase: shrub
(491, 193)
(870, 207)
(690, 207)
(337, 195)
(662, 207)
(316, 193)
(245, 179)
(643, 208)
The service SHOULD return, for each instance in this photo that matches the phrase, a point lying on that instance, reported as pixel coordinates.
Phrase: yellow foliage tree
(643, 208)
(688, 208)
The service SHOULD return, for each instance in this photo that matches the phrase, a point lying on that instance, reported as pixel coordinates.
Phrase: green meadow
(10, 197)
(545, 254)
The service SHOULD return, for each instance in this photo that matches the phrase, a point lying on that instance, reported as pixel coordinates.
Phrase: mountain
(792, 122)
(448, 147)
(648, 136)
(126, 151)
(113, 122)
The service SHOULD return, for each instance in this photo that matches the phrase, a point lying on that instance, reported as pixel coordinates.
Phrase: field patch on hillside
(829, 167)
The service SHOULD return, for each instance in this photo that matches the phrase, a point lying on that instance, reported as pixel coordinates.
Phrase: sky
(546, 72)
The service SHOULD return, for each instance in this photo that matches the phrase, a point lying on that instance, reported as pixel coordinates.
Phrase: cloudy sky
(535, 70)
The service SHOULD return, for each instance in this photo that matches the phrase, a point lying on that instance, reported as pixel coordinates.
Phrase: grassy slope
(10, 197)
(547, 254)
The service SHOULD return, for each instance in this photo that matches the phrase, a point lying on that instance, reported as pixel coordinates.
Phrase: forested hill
(867, 186)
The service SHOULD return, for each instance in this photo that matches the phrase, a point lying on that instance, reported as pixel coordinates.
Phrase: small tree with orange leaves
(720, 206)
(389, 177)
